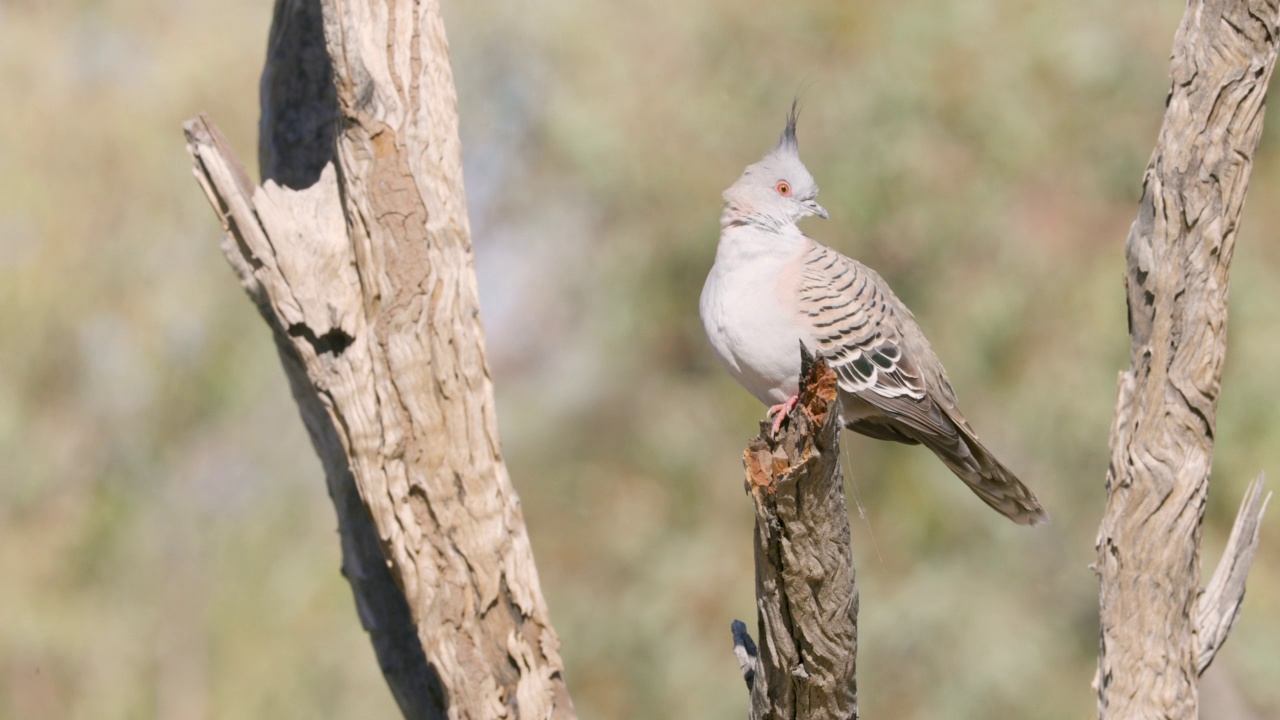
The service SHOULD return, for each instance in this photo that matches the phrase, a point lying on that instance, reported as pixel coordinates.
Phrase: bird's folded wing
(858, 326)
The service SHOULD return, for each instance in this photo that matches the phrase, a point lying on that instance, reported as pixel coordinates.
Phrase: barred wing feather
(884, 363)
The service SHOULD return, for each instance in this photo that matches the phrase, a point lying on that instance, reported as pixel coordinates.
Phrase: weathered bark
(1156, 638)
(806, 590)
(295, 143)
(1221, 600)
(364, 272)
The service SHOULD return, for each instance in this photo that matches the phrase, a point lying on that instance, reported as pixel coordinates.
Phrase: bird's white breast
(752, 327)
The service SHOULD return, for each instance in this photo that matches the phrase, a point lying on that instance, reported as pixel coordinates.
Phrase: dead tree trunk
(1159, 630)
(806, 593)
(357, 251)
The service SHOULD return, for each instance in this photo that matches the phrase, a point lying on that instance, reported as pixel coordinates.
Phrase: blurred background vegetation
(166, 546)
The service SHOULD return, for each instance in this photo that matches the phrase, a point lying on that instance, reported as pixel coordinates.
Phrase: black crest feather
(788, 139)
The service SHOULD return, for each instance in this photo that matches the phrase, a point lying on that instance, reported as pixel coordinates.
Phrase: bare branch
(383, 611)
(806, 594)
(1179, 253)
(363, 270)
(1220, 602)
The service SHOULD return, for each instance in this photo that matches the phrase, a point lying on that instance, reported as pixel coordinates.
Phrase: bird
(771, 288)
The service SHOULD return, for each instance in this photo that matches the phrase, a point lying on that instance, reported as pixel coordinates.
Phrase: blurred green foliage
(166, 546)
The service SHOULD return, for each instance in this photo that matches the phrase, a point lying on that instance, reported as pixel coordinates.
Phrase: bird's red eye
(783, 188)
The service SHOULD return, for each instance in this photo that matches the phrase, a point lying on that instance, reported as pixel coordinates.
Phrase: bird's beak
(815, 209)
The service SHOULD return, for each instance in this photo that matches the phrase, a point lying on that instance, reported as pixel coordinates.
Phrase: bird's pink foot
(780, 412)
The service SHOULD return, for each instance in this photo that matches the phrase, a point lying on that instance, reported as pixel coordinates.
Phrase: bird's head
(776, 191)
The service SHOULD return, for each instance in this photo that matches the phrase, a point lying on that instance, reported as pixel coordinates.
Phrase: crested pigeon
(772, 287)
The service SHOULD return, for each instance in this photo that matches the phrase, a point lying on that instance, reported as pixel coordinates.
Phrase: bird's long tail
(989, 479)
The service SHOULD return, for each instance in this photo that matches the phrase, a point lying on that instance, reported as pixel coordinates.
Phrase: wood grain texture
(806, 590)
(295, 144)
(1219, 606)
(1179, 253)
(366, 275)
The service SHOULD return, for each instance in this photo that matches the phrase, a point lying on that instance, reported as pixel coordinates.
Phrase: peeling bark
(357, 252)
(806, 590)
(1179, 252)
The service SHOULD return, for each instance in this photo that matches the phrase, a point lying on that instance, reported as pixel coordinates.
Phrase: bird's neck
(744, 239)
(743, 213)
(734, 216)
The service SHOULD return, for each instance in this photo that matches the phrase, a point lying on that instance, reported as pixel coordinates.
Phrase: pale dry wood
(295, 143)
(381, 605)
(1221, 600)
(1179, 252)
(366, 276)
(806, 591)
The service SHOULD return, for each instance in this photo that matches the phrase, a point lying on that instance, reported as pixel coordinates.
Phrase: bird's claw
(780, 412)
